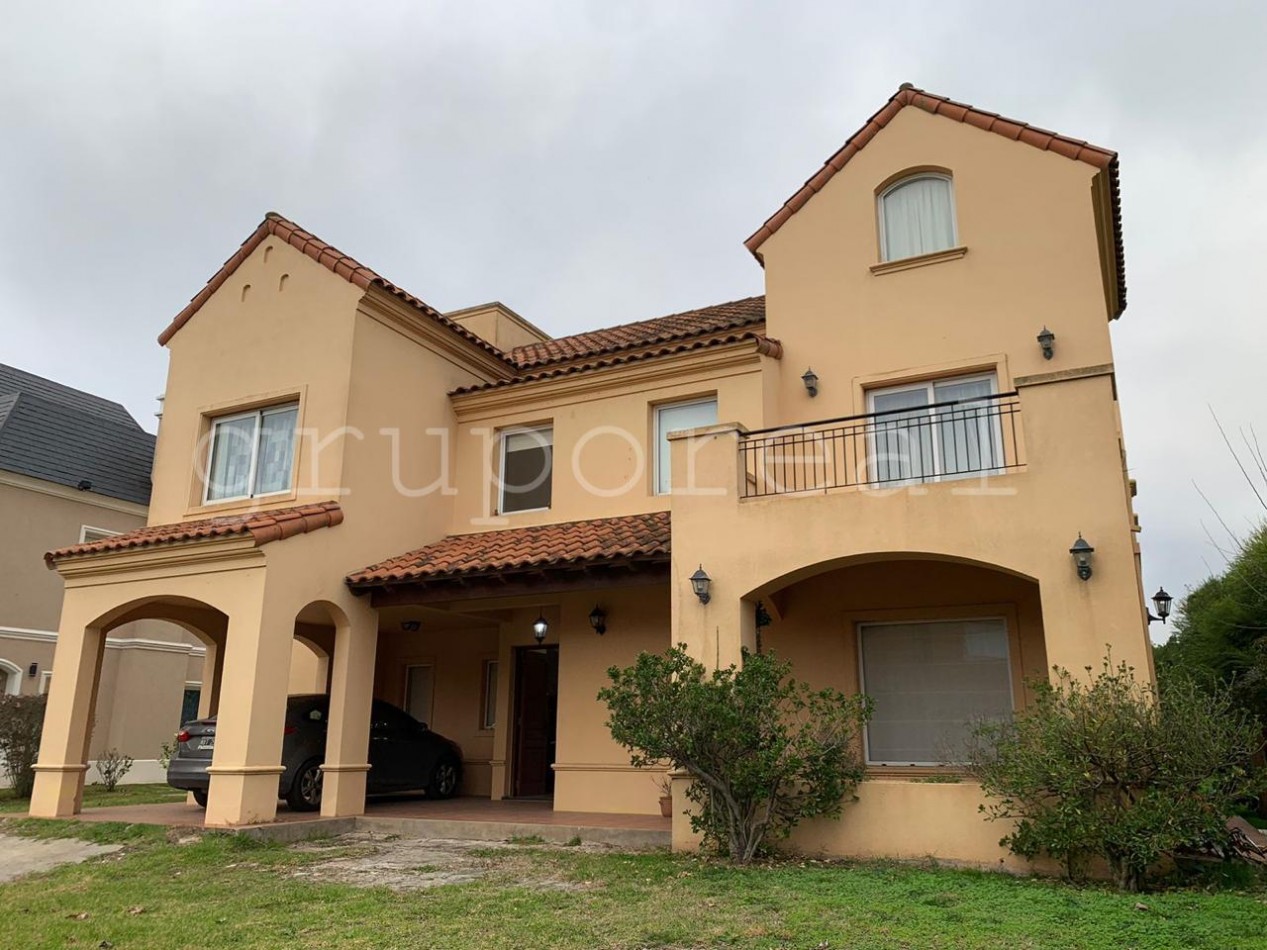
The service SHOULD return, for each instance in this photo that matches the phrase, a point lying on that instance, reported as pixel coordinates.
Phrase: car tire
(445, 778)
(304, 793)
(200, 796)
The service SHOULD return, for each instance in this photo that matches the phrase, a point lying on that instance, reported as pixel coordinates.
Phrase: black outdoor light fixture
(1082, 552)
(810, 379)
(699, 584)
(33, 669)
(1161, 603)
(411, 626)
(763, 616)
(598, 620)
(539, 628)
(1047, 340)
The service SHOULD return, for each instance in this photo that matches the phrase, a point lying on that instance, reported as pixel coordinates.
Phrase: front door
(536, 710)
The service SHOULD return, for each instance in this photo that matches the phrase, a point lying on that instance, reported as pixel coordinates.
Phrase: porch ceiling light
(699, 584)
(1047, 340)
(1161, 604)
(598, 620)
(810, 379)
(540, 628)
(1082, 552)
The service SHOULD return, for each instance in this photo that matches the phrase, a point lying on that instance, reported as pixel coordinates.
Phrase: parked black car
(404, 754)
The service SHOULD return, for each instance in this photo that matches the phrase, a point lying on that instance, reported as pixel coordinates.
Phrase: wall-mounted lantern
(762, 616)
(1082, 552)
(1161, 604)
(699, 584)
(1047, 340)
(598, 620)
(33, 670)
(540, 628)
(810, 379)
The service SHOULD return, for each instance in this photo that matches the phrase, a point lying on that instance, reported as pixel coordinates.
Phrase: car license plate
(207, 743)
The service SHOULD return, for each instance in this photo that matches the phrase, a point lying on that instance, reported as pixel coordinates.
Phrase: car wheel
(445, 779)
(200, 796)
(305, 790)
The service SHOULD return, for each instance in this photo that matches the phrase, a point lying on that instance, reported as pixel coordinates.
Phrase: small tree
(112, 766)
(765, 750)
(1109, 768)
(21, 721)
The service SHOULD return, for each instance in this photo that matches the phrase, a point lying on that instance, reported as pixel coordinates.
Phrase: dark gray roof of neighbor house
(63, 435)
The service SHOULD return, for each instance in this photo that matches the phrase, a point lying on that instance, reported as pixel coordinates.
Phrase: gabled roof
(675, 326)
(327, 256)
(908, 95)
(69, 437)
(536, 547)
(262, 526)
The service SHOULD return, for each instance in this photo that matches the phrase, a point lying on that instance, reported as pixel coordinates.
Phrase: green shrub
(765, 751)
(21, 721)
(1108, 768)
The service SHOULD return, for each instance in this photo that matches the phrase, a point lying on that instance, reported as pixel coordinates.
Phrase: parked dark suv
(404, 754)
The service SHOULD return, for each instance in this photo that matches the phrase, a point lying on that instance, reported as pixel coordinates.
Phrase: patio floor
(472, 818)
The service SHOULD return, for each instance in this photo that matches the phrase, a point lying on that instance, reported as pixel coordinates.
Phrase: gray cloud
(591, 163)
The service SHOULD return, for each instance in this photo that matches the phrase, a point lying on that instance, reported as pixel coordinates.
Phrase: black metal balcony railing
(938, 442)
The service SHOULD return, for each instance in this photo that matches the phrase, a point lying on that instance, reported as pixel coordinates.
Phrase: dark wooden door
(536, 713)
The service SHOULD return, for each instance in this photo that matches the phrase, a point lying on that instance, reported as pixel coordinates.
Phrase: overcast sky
(594, 163)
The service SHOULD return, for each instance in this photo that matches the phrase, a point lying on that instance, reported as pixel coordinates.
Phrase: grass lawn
(224, 891)
(95, 796)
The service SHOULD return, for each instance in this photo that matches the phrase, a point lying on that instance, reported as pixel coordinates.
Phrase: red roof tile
(764, 345)
(675, 326)
(329, 257)
(604, 540)
(908, 95)
(263, 526)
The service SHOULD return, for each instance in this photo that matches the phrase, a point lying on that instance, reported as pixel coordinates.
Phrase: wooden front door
(536, 713)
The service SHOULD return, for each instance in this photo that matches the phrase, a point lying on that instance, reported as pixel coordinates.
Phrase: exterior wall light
(810, 379)
(32, 670)
(699, 584)
(763, 616)
(598, 620)
(1161, 603)
(1082, 552)
(411, 626)
(540, 628)
(1047, 340)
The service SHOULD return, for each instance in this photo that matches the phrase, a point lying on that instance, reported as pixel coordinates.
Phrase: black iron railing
(945, 440)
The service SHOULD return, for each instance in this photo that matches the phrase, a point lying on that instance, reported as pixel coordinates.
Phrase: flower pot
(666, 806)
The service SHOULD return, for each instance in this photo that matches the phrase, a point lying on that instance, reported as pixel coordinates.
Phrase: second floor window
(917, 216)
(943, 428)
(252, 453)
(682, 415)
(526, 469)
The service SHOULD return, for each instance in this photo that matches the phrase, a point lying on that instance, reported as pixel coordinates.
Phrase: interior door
(536, 716)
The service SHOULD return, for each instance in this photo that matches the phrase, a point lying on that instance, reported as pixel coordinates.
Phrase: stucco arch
(204, 621)
(13, 682)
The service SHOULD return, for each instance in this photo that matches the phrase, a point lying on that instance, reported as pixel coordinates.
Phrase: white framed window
(931, 681)
(420, 691)
(917, 216)
(88, 533)
(670, 418)
(10, 678)
(46, 680)
(942, 428)
(488, 695)
(251, 453)
(526, 470)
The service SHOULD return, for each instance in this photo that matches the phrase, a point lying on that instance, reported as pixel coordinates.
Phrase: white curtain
(231, 449)
(276, 451)
(917, 218)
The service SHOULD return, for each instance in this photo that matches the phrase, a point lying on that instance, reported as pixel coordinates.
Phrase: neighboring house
(76, 468)
(476, 521)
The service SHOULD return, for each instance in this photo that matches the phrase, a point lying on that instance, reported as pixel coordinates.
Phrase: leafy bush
(165, 752)
(765, 750)
(21, 721)
(1109, 768)
(112, 766)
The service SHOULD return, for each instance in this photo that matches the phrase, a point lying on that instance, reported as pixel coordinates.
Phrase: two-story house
(877, 469)
(75, 467)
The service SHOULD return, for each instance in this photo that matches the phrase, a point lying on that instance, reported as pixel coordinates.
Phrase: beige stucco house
(474, 520)
(75, 467)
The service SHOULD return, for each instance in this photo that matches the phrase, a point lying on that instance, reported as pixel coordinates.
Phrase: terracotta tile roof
(604, 540)
(765, 345)
(329, 257)
(675, 326)
(263, 526)
(908, 95)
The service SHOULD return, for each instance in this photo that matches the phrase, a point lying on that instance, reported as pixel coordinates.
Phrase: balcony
(972, 438)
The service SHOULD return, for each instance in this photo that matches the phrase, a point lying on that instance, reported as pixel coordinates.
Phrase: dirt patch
(28, 855)
(365, 859)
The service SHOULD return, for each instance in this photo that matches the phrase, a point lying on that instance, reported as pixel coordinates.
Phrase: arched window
(917, 216)
(10, 678)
